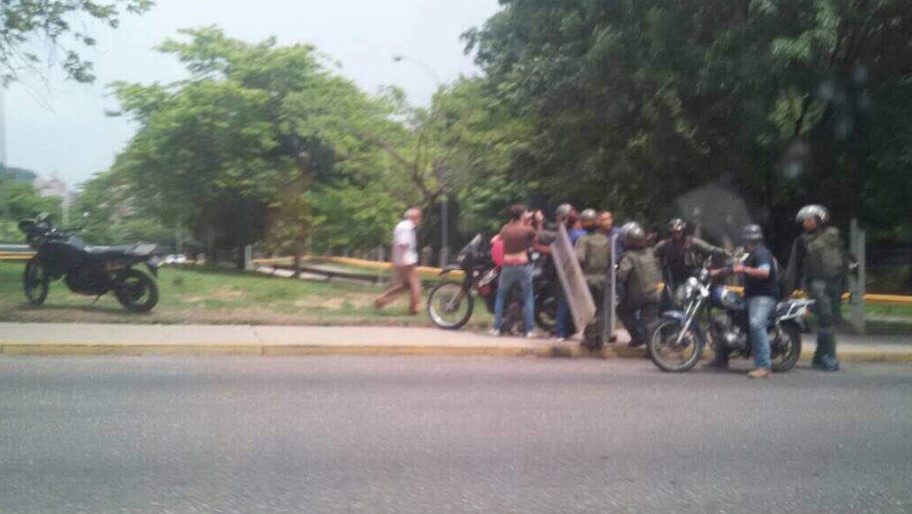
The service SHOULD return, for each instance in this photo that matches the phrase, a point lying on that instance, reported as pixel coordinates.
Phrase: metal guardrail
(14, 248)
(872, 299)
(15, 252)
(334, 274)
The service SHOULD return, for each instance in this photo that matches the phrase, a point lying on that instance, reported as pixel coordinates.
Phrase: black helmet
(563, 211)
(677, 225)
(751, 234)
(815, 211)
(588, 218)
(634, 235)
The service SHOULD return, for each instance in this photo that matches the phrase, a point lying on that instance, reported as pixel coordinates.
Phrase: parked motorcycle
(450, 304)
(88, 270)
(678, 341)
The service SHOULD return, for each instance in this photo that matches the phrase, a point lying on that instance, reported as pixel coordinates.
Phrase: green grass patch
(218, 296)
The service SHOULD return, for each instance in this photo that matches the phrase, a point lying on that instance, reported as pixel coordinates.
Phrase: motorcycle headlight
(688, 289)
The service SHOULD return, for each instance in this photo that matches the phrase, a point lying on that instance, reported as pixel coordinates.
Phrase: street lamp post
(444, 201)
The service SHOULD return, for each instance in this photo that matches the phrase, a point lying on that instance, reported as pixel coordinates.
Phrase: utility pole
(4, 192)
(2, 128)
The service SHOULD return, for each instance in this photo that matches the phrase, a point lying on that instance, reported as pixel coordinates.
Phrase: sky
(59, 128)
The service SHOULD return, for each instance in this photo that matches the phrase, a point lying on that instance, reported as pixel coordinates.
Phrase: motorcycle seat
(109, 252)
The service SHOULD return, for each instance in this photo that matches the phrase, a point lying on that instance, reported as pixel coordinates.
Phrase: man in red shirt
(518, 236)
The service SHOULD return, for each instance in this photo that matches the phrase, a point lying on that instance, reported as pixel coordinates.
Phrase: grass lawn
(199, 295)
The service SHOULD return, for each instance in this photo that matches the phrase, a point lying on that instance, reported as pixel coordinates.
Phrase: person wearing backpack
(818, 262)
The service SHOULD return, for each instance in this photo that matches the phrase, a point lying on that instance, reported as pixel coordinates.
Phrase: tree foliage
(635, 103)
(59, 23)
(259, 125)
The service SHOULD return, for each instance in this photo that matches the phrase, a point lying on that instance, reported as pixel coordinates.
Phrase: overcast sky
(58, 127)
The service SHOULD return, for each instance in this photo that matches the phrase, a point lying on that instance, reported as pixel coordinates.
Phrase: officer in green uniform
(638, 280)
(593, 250)
(818, 263)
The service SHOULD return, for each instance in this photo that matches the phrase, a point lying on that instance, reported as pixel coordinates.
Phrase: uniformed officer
(818, 263)
(593, 250)
(682, 255)
(638, 279)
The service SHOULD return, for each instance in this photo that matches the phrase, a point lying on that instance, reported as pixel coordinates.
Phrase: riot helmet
(588, 218)
(563, 211)
(677, 225)
(634, 235)
(751, 234)
(817, 211)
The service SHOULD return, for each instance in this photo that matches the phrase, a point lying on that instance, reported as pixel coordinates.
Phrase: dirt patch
(227, 294)
(340, 302)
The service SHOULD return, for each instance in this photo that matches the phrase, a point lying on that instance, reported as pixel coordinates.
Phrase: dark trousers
(592, 332)
(828, 304)
(639, 320)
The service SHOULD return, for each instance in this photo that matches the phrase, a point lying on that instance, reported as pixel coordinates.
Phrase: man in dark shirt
(761, 292)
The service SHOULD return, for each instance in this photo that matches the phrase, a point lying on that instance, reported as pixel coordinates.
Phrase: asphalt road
(437, 435)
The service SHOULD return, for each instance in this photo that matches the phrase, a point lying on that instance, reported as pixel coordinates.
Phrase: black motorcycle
(678, 341)
(86, 269)
(450, 304)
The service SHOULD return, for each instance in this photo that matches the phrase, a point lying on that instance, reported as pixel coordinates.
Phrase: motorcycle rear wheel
(546, 313)
(137, 292)
(667, 354)
(445, 310)
(785, 352)
(35, 282)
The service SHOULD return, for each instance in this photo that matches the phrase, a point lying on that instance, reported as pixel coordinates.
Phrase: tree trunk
(299, 250)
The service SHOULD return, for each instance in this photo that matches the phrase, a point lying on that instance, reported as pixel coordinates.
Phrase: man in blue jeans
(761, 292)
(518, 236)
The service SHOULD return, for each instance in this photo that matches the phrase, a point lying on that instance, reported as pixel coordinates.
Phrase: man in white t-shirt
(405, 262)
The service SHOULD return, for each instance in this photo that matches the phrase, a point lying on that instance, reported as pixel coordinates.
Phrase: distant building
(53, 187)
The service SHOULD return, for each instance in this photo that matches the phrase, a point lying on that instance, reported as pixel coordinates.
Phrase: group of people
(817, 264)
(642, 266)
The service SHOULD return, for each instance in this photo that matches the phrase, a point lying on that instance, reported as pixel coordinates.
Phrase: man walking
(518, 236)
(405, 262)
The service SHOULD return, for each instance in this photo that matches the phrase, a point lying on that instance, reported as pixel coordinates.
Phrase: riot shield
(582, 306)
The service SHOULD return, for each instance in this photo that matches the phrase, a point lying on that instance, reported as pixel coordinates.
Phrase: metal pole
(6, 196)
(2, 128)
(178, 239)
(857, 246)
(444, 232)
(609, 303)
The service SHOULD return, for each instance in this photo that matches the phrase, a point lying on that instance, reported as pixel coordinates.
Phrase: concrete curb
(571, 351)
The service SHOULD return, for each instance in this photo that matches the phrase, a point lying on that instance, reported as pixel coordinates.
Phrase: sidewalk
(115, 339)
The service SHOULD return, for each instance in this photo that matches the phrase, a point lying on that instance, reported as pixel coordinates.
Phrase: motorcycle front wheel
(785, 347)
(35, 282)
(448, 306)
(671, 351)
(137, 292)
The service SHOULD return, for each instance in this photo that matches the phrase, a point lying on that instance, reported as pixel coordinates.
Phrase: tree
(635, 103)
(235, 134)
(57, 22)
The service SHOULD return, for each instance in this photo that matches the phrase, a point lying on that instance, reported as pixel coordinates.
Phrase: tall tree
(635, 103)
(234, 134)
